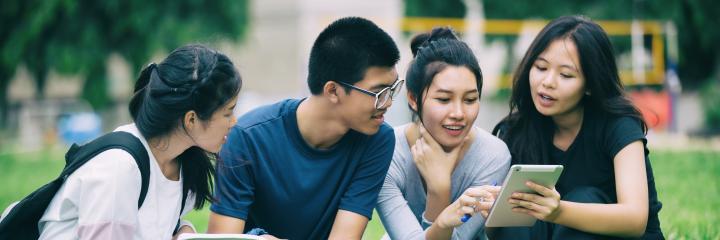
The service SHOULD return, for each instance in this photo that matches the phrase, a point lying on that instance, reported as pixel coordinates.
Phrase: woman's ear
(190, 119)
(412, 101)
(330, 90)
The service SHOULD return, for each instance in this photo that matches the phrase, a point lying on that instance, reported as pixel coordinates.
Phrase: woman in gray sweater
(443, 167)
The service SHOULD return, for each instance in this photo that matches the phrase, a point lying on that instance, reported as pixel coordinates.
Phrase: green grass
(687, 184)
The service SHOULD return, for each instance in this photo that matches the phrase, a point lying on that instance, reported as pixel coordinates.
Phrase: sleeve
(361, 196)
(106, 190)
(622, 132)
(189, 204)
(494, 167)
(492, 170)
(234, 181)
(395, 214)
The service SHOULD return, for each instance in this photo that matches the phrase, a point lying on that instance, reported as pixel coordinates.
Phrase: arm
(360, 198)
(392, 207)
(468, 203)
(348, 225)
(627, 218)
(224, 224)
(114, 177)
(436, 167)
(234, 187)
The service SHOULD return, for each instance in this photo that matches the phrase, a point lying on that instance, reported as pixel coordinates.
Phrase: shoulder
(384, 136)
(267, 113)
(486, 142)
(110, 165)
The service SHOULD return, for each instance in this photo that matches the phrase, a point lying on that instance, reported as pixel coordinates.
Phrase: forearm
(436, 231)
(622, 220)
(438, 198)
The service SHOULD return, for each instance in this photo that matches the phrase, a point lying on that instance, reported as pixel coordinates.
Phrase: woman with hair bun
(443, 167)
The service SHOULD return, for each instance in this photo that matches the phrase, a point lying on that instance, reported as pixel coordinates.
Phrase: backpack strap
(185, 190)
(78, 156)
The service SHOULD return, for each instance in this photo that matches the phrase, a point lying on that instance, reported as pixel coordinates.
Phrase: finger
(495, 190)
(421, 130)
(527, 204)
(528, 212)
(467, 210)
(484, 213)
(542, 190)
(484, 206)
(530, 197)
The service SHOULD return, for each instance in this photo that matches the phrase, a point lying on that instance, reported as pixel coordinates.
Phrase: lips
(454, 129)
(545, 100)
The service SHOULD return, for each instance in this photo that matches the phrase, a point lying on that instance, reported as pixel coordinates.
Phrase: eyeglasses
(381, 97)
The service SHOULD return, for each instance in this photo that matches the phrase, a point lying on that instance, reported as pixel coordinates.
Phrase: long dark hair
(192, 78)
(528, 133)
(433, 52)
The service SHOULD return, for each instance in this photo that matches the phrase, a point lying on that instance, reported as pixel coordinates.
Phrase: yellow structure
(654, 76)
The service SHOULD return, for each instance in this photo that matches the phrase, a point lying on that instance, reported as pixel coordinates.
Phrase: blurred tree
(696, 20)
(433, 8)
(76, 36)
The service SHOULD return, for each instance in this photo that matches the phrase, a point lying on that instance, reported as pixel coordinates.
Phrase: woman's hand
(473, 200)
(544, 206)
(269, 237)
(183, 229)
(435, 165)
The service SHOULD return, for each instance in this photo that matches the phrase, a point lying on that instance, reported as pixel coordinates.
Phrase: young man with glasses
(312, 168)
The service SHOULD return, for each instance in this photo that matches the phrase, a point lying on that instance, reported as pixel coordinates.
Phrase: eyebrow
(382, 85)
(450, 92)
(233, 106)
(563, 65)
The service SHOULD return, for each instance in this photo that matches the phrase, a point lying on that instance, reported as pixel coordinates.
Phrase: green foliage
(710, 98)
(76, 36)
(696, 22)
(431, 8)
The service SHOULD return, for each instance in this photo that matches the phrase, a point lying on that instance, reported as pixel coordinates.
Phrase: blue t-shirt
(270, 177)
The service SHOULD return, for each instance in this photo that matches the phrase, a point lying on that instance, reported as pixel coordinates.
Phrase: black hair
(433, 52)
(192, 78)
(346, 49)
(528, 133)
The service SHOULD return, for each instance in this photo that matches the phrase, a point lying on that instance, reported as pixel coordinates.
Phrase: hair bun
(436, 34)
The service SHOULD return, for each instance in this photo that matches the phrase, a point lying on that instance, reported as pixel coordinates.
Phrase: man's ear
(331, 90)
(412, 101)
(190, 119)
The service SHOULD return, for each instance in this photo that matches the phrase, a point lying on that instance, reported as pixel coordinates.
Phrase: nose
(386, 105)
(456, 110)
(548, 80)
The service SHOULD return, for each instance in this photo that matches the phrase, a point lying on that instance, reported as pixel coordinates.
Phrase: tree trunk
(95, 88)
(4, 84)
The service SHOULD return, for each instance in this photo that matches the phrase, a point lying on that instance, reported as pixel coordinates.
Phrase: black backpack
(22, 221)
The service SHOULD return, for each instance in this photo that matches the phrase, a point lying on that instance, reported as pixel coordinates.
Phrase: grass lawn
(687, 184)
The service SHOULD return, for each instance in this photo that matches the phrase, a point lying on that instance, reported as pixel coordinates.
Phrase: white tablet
(501, 214)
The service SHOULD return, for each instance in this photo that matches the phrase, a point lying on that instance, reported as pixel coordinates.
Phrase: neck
(166, 149)
(569, 123)
(319, 126)
(412, 133)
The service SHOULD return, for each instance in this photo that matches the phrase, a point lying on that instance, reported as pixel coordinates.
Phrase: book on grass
(222, 236)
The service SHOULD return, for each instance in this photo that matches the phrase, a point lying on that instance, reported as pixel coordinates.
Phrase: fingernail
(465, 218)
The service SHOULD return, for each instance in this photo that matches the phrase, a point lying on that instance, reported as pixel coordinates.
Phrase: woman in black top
(568, 108)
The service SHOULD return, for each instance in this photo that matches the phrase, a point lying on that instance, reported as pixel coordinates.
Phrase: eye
(564, 75)
(470, 100)
(540, 68)
(442, 100)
